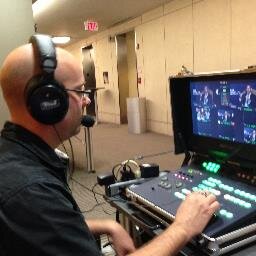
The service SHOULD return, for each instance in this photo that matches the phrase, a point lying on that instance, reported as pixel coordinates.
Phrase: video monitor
(215, 113)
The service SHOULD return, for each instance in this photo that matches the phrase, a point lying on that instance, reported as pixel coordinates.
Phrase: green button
(247, 205)
(229, 215)
(223, 212)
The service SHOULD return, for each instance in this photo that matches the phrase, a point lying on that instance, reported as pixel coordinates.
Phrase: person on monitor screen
(206, 97)
(248, 98)
(253, 137)
(226, 116)
(38, 214)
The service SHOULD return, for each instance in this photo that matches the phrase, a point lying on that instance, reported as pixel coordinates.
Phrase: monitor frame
(184, 138)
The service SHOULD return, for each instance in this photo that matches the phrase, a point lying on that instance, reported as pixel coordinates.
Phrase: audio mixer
(236, 216)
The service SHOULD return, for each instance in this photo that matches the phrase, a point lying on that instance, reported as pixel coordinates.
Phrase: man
(247, 97)
(38, 215)
(206, 97)
(253, 137)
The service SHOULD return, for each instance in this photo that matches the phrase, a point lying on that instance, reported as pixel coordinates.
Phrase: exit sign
(91, 25)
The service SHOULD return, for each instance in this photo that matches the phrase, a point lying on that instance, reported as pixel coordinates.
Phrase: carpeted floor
(112, 144)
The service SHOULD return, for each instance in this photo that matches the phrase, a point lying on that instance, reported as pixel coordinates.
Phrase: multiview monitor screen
(224, 109)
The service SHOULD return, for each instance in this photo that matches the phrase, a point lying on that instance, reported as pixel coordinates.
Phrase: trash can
(136, 115)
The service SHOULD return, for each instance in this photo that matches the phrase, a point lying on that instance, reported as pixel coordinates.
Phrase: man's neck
(46, 132)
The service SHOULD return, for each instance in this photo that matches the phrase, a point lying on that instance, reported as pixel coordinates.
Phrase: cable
(107, 200)
(70, 172)
(89, 189)
(72, 158)
(92, 208)
(140, 157)
(60, 140)
(94, 194)
(80, 140)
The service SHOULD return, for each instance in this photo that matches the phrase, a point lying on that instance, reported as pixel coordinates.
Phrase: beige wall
(16, 26)
(203, 35)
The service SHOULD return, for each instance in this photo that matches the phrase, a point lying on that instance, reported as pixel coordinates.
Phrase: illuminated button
(180, 195)
(226, 214)
(229, 215)
(195, 189)
(242, 193)
(252, 197)
(190, 171)
(204, 164)
(202, 186)
(247, 205)
(185, 191)
(214, 180)
(235, 200)
(215, 192)
(223, 212)
(227, 196)
(237, 192)
(208, 183)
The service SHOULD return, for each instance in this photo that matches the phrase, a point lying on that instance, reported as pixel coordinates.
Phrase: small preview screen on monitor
(224, 109)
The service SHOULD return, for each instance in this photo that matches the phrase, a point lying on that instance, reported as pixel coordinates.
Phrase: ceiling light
(41, 5)
(61, 39)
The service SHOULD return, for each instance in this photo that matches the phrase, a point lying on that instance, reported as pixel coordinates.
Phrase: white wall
(203, 35)
(16, 26)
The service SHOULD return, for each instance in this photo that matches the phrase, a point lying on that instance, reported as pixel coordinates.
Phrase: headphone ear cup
(47, 101)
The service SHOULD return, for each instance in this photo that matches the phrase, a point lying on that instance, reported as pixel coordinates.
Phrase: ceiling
(66, 17)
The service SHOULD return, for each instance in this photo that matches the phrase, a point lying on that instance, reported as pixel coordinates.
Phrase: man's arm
(121, 240)
(191, 218)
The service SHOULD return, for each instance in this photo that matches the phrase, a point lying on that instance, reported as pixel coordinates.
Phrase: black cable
(94, 194)
(61, 141)
(89, 189)
(72, 158)
(68, 166)
(92, 208)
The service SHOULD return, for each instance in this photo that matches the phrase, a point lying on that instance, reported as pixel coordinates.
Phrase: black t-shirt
(38, 214)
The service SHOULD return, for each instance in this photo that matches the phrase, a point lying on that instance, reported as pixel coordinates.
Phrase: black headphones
(47, 100)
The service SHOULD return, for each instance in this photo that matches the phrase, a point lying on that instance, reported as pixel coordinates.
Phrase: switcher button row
(226, 213)
(245, 195)
(238, 201)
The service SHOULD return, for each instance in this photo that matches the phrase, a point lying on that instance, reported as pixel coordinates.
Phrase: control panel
(165, 193)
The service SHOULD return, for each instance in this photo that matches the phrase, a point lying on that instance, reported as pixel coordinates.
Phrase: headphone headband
(46, 99)
(46, 50)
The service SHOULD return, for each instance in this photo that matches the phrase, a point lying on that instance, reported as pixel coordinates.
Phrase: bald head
(22, 64)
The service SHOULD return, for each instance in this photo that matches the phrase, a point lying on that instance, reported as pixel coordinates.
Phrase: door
(89, 76)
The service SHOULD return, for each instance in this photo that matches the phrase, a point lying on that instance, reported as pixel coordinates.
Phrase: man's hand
(195, 212)
(120, 239)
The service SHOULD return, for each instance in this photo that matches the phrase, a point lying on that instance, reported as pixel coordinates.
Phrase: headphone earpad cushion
(46, 99)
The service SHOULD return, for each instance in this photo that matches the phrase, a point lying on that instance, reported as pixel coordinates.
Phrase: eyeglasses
(82, 93)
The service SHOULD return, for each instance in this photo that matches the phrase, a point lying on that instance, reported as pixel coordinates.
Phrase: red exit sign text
(91, 25)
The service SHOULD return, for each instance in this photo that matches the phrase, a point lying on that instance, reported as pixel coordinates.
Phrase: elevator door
(89, 76)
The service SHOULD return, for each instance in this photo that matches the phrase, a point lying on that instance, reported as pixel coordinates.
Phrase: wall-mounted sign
(91, 25)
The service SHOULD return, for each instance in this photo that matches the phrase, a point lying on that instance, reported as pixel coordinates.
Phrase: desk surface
(126, 208)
